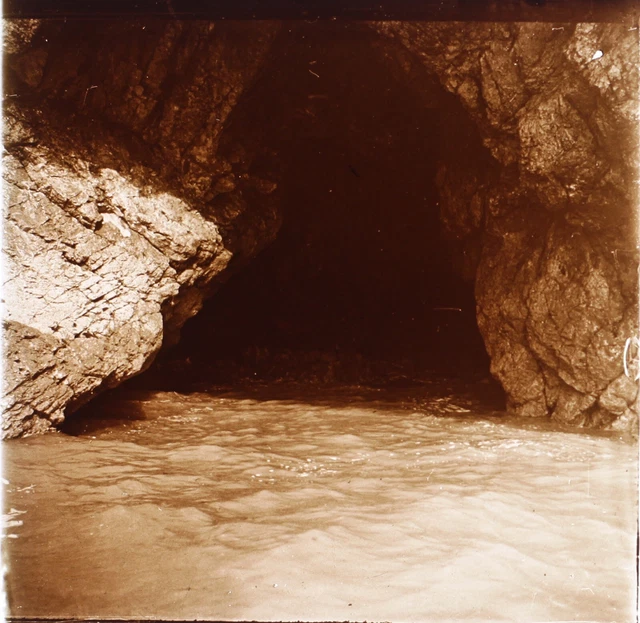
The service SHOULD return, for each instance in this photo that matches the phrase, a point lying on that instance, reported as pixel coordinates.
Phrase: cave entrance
(362, 283)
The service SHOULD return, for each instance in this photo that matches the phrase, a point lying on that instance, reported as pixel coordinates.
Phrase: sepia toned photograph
(320, 312)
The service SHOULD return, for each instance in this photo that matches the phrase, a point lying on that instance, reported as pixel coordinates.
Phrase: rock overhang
(553, 214)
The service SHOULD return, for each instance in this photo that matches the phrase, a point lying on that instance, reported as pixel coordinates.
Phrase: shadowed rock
(132, 194)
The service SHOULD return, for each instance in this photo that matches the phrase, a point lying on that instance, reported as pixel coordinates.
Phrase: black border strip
(427, 10)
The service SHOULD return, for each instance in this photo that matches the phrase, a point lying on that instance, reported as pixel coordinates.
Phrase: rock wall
(112, 168)
(554, 233)
(130, 195)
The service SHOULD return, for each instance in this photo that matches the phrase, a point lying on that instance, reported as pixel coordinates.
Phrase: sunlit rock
(104, 258)
(142, 162)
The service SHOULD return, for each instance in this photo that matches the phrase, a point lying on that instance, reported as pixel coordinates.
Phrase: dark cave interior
(360, 270)
(352, 202)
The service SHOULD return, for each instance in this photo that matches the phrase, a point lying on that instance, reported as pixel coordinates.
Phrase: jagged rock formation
(131, 194)
(556, 286)
(110, 246)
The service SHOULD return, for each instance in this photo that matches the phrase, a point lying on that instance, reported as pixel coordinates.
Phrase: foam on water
(235, 508)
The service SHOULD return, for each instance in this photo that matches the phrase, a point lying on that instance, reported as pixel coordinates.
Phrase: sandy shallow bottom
(344, 506)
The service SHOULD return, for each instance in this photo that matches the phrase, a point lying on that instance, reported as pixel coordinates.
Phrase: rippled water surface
(348, 505)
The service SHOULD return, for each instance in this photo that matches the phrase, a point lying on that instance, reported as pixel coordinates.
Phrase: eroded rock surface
(109, 247)
(92, 261)
(554, 233)
(130, 191)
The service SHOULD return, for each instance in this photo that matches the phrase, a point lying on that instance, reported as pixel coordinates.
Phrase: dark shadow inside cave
(361, 284)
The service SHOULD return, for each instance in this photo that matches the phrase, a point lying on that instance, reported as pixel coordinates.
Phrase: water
(347, 505)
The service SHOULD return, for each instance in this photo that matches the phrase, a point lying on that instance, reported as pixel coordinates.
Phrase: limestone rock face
(556, 280)
(131, 193)
(91, 264)
(109, 243)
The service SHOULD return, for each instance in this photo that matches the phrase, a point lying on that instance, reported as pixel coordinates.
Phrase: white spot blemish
(596, 55)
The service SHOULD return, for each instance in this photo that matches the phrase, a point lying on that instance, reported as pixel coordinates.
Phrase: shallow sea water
(350, 505)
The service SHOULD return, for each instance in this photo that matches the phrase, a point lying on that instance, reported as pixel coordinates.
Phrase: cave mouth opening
(362, 284)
